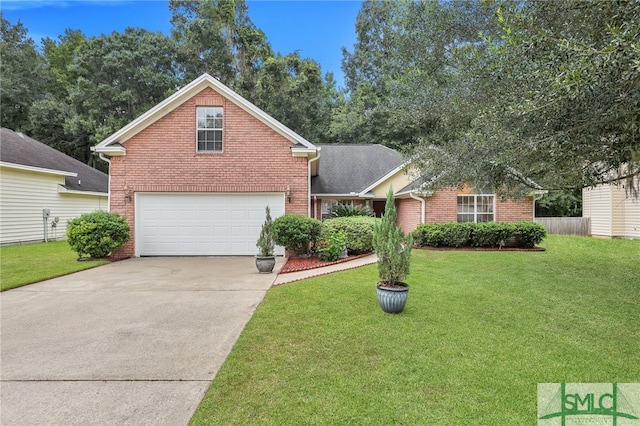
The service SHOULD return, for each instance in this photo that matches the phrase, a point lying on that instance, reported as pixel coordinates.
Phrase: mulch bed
(296, 264)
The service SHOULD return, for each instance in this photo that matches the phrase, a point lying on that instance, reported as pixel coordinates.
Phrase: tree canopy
(506, 94)
(510, 95)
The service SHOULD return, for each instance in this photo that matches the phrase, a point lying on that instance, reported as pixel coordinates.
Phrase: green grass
(479, 332)
(30, 263)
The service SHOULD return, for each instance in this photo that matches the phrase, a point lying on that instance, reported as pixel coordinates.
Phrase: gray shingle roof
(19, 149)
(344, 169)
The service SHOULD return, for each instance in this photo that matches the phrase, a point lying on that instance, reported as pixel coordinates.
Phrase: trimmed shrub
(456, 234)
(97, 234)
(529, 233)
(491, 234)
(331, 245)
(486, 234)
(428, 235)
(358, 232)
(296, 232)
(347, 210)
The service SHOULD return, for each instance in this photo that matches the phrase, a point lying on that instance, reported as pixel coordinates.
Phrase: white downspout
(309, 181)
(103, 158)
(423, 202)
(536, 197)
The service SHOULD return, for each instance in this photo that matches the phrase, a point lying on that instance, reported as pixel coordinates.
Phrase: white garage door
(194, 224)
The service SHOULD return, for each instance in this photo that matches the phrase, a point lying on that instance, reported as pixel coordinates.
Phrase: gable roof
(353, 169)
(22, 152)
(113, 144)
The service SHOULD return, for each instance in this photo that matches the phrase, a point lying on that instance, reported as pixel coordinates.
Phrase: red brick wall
(163, 158)
(442, 206)
(514, 210)
(409, 214)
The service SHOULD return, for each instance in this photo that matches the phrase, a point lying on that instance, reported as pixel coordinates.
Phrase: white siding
(631, 228)
(599, 210)
(612, 212)
(24, 194)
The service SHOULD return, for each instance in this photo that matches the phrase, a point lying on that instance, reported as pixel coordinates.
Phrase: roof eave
(64, 190)
(385, 177)
(110, 150)
(37, 169)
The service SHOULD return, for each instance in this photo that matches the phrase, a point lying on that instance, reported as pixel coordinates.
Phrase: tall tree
(403, 70)
(20, 75)
(560, 91)
(218, 37)
(48, 116)
(100, 84)
(293, 91)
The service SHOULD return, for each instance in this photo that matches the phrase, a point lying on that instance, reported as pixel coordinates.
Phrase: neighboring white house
(613, 211)
(41, 189)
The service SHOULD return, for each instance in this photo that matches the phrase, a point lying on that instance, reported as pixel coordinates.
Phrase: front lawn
(479, 332)
(30, 263)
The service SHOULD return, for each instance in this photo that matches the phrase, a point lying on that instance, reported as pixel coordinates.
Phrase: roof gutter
(316, 158)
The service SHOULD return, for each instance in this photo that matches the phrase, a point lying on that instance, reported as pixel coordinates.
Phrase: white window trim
(475, 206)
(221, 129)
(326, 204)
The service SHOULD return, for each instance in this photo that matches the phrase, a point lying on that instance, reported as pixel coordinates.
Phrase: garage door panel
(202, 224)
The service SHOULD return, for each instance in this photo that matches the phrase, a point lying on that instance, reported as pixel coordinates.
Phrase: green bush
(529, 233)
(487, 234)
(296, 232)
(358, 232)
(346, 210)
(491, 234)
(331, 245)
(456, 234)
(428, 235)
(97, 234)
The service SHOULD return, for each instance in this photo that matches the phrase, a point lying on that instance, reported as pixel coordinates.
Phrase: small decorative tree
(391, 247)
(265, 242)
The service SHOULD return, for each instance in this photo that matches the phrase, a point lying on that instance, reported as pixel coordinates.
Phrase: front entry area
(202, 224)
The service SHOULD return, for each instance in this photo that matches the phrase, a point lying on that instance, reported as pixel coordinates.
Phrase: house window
(475, 208)
(327, 204)
(209, 123)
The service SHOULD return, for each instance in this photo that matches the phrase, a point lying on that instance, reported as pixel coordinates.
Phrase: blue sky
(318, 29)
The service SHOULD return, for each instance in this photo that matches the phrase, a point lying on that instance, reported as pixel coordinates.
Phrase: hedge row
(487, 234)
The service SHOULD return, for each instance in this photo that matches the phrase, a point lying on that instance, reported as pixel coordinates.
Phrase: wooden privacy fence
(566, 225)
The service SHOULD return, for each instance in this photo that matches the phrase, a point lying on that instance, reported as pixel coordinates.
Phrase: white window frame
(475, 211)
(216, 127)
(325, 206)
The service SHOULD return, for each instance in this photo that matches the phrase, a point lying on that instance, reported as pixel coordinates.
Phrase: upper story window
(475, 208)
(209, 123)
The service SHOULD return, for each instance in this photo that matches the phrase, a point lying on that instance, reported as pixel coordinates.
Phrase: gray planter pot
(393, 299)
(265, 264)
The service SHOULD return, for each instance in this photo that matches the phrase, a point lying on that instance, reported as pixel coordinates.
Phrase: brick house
(193, 175)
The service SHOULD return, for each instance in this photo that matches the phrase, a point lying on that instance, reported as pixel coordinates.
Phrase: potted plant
(265, 260)
(394, 254)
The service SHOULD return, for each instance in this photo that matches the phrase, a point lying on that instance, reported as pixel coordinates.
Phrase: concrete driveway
(135, 342)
